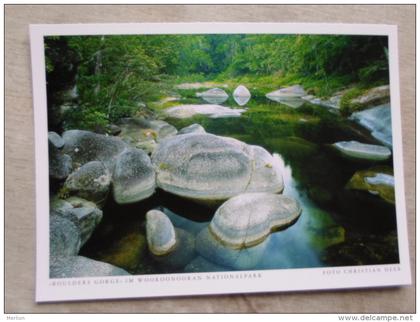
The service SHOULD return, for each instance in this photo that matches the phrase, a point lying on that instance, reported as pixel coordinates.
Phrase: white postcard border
(160, 285)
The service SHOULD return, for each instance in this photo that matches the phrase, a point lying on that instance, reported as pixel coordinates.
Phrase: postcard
(216, 158)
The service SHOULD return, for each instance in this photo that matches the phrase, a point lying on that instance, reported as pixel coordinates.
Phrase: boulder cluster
(242, 182)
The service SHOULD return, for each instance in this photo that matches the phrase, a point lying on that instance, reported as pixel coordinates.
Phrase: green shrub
(346, 106)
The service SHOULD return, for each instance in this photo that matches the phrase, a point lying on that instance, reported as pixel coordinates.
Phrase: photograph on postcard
(226, 152)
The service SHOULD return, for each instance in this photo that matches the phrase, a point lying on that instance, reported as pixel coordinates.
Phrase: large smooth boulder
(86, 219)
(160, 233)
(55, 139)
(134, 177)
(79, 266)
(241, 90)
(85, 146)
(247, 219)
(64, 236)
(60, 164)
(144, 134)
(91, 181)
(241, 95)
(288, 92)
(214, 96)
(374, 96)
(77, 202)
(363, 151)
(193, 128)
(210, 110)
(209, 168)
(290, 96)
(85, 215)
(378, 121)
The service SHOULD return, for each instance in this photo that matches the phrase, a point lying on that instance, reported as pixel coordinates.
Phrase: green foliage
(346, 106)
(114, 74)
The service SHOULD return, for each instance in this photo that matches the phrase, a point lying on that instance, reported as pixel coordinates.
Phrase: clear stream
(337, 227)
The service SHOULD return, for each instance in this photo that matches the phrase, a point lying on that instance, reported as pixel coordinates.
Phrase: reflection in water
(334, 223)
(294, 102)
(292, 247)
(215, 99)
(241, 100)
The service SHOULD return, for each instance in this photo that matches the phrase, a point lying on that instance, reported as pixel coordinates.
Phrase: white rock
(381, 179)
(134, 177)
(206, 167)
(378, 121)
(211, 110)
(247, 219)
(363, 151)
(160, 233)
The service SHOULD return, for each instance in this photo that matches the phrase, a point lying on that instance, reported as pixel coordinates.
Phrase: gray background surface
(19, 149)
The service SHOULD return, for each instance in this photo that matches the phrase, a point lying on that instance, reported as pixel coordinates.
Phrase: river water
(338, 226)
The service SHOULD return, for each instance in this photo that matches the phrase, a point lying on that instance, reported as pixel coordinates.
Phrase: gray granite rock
(210, 110)
(85, 146)
(160, 233)
(134, 177)
(64, 236)
(55, 139)
(209, 168)
(60, 164)
(79, 266)
(91, 181)
(378, 121)
(363, 151)
(77, 202)
(84, 214)
(241, 95)
(374, 96)
(86, 219)
(193, 128)
(287, 92)
(247, 219)
(144, 134)
(214, 96)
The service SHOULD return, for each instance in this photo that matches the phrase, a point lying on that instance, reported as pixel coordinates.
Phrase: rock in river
(374, 96)
(86, 219)
(214, 96)
(55, 139)
(79, 266)
(377, 181)
(60, 164)
(363, 151)
(193, 128)
(247, 219)
(91, 181)
(160, 233)
(134, 177)
(378, 121)
(85, 215)
(291, 91)
(85, 146)
(210, 110)
(64, 236)
(241, 95)
(210, 168)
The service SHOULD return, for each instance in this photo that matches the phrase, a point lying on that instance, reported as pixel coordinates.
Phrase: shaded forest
(95, 80)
